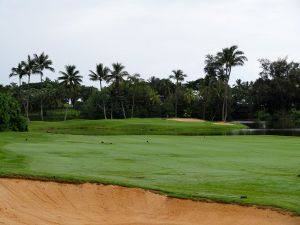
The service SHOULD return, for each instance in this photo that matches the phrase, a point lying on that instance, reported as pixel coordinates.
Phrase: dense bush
(10, 114)
(296, 117)
(57, 114)
(280, 119)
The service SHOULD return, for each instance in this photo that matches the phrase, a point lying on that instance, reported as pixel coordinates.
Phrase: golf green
(260, 170)
(134, 126)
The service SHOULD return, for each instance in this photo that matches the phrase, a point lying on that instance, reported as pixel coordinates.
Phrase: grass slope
(132, 127)
(223, 168)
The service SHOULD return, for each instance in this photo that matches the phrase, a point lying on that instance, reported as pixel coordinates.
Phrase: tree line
(274, 96)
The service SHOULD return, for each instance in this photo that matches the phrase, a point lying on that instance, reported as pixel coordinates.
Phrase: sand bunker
(35, 202)
(186, 120)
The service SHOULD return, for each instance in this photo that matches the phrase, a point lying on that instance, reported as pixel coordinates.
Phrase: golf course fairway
(255, 170)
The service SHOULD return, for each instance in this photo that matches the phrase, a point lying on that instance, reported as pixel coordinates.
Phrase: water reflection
(280, 132)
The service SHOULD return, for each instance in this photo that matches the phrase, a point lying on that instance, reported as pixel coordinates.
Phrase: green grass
(132, 127)
(222, 168)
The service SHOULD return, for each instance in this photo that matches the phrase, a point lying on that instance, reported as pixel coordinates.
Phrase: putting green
(223, 168)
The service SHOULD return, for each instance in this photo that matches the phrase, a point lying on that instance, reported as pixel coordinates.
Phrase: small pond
(281, 132)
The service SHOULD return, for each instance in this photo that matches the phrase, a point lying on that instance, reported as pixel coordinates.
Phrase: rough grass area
(133, 127)
(262, 169)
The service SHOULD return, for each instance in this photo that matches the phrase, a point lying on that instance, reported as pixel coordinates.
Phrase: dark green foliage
(10, 116)
(242, 100)
(274, 97)
(93, 107)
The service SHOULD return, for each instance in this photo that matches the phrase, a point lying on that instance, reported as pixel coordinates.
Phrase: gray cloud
(149, 37)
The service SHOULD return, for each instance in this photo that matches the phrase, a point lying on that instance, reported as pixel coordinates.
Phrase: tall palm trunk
(204, 110)
(104, 110)
(225, 102)
(227, 88)
(176, 103)
(124, 114)
(132, 107)
(176, 99)
(111, 111)
(71, 90)
(42, 112)
(27, 101)
(119, 97)
(104, 107)
(206, 101)
(66, 112)
(223, 111)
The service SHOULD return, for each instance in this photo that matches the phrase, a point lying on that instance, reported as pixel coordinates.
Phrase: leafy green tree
(101, 74)
(178, 76)
(190, 96)
(164, 87)
(10, 114)
(277, 89)
(71, 79)
(242, 100)
(42, 62)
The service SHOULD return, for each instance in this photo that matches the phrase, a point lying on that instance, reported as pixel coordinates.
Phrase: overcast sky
(150, 37)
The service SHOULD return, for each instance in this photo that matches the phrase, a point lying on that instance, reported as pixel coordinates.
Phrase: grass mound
(133, 127)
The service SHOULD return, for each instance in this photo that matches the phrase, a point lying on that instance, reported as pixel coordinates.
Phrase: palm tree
(178, 76)
(30, 68)
(18, 71)
(116, 77)
(228, 58)
(42, 62)
(133, 80)
(71, 79)
(101, 74)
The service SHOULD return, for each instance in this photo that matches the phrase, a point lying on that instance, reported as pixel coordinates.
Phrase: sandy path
(39, 203)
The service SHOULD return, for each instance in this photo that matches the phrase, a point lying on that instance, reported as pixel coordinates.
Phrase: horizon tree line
(212, 93)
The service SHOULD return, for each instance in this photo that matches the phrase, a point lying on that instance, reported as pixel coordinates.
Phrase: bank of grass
(221, 168)
(133, 127)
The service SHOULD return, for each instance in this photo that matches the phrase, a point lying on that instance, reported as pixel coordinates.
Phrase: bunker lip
(39, 202)
(186, 120)
(224, 123)
(61, 180)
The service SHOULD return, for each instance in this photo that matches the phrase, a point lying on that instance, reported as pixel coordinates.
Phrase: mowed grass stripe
(223, 168)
